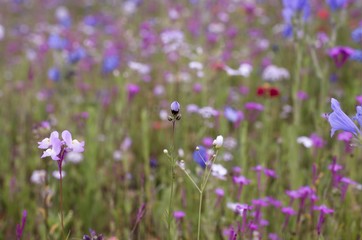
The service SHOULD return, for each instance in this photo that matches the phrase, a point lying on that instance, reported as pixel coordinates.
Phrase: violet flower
(220, 194)
(20, 228)
(340, 55)
(323, 211)
(241, 181)
(340, 121)
(287, 211)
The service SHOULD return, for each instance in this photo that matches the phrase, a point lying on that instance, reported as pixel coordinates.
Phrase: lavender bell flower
(340, 121)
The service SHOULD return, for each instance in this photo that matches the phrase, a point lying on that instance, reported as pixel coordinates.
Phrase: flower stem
(61, 195)
(199, 219)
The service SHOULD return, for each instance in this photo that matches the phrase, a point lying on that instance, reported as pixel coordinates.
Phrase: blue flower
(110, 63)
(57, 42)
(231, 114)
(200, 156)
(291, 8)
(76, 55)
(54, 74)
(335, 5)
(358, 116)
(357, 35)
(356, 56)
(340, 121)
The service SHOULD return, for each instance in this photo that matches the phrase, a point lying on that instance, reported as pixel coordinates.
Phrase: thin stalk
(201, 190)
(199, 218)
(172, 162)
(61, 195)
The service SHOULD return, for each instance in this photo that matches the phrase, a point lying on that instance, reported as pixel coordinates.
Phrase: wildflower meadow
(189, 119)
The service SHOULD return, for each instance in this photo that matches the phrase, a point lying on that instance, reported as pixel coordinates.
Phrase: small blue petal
(200, 156)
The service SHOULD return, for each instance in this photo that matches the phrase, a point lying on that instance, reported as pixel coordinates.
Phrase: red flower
(323, 14)
(267, 90)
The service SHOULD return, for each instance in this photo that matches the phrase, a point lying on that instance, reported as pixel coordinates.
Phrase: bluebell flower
(357, 35)
(335, 5)
(358, 116)
(57, 42)
(54, 74)
(356, 56)
(110, 63)
(200, 156)
(340, 121)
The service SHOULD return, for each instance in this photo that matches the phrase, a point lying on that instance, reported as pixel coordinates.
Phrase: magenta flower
(324, 210)
(20, 228)
(340, 55)
(179, 214)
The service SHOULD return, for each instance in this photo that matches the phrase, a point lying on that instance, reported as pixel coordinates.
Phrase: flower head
(340, 121)
(340, 55)
(175, 107)
(218, 141)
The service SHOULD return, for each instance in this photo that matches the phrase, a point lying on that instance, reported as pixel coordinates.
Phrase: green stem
(170, 203)
(192, 180)
(61, 199)
(199, 219)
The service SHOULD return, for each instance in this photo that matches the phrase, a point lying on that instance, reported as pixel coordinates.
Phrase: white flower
(57, 175)
(237, 207)
(243, 70)
(74, 157)
(273, 73)
(218, 141)
(141, 68)
(38, 176)
(196, 65)
(218, 171)
(306, 141)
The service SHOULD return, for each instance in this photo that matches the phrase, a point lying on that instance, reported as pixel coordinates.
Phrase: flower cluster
(56, 148)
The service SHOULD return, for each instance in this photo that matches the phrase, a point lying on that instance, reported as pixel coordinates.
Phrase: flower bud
(175, 108)
(218, 141)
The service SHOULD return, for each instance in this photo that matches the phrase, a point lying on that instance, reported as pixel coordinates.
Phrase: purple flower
(132, 90)
(318, 141)
(254, 106)
(340, 121)
(219, 192)
(323, 209)
(340, 55)
(175, 107)
(20, 228)
(179, 215)
(302, 95)
(359, 99)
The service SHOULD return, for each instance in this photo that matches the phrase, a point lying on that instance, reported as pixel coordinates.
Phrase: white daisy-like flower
(218, 171)
(244, 70)
(306, 141)
(273, 73)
